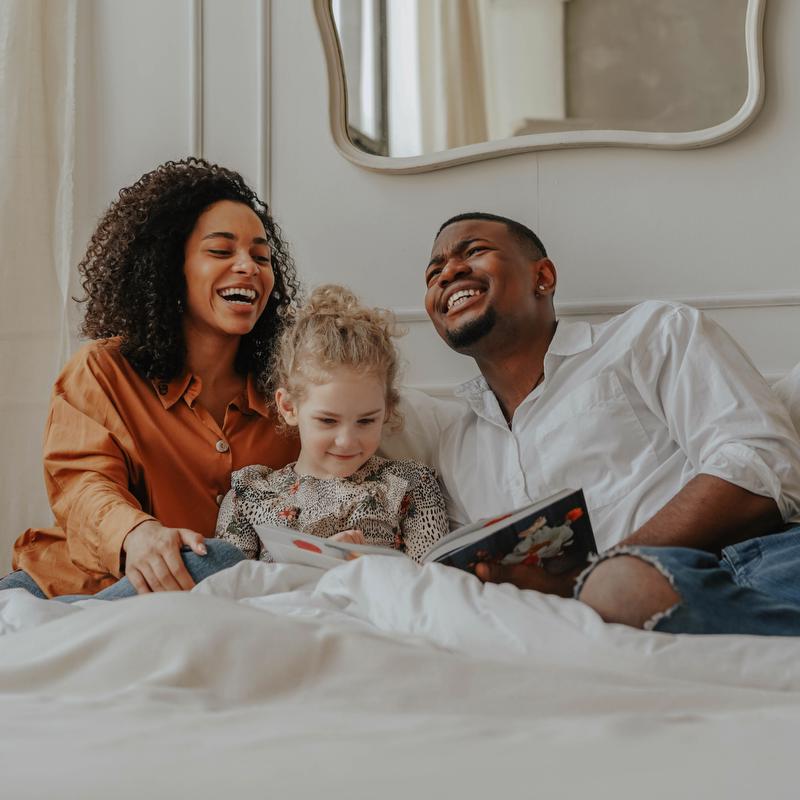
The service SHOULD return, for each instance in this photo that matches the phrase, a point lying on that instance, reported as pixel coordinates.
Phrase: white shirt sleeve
(788, 391)
(717, 406)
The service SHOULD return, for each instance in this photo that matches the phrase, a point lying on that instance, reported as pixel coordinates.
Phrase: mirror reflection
(425, 76)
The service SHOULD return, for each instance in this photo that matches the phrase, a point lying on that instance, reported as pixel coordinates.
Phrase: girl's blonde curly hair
(333, 330)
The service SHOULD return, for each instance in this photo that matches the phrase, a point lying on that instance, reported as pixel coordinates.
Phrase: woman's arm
(106, 528)
(88, 480)
(92, 471)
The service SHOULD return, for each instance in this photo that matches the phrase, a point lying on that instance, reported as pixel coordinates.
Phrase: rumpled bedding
(382, 679)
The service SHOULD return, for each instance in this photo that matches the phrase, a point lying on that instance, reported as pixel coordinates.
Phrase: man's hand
(153, 560)
(528, 577)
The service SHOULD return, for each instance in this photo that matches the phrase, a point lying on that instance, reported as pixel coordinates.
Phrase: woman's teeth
(242, 296)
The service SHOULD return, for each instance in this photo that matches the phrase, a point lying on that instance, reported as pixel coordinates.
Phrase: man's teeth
(244, 296)
(459, 297)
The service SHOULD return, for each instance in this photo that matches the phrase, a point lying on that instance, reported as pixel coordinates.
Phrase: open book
(554, 533)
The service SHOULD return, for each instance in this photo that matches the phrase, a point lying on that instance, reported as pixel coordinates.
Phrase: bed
(382, 679)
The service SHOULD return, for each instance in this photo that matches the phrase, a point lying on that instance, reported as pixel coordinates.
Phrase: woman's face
(228, 270)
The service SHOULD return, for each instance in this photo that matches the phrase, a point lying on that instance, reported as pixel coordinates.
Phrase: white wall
(149, 89)
(621, 224)
(166, 80)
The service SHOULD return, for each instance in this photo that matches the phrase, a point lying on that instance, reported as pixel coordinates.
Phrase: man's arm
(709, 514)
(730, 426)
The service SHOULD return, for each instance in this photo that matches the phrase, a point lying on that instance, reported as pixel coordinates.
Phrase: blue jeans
(221, 555)
(754, 588)
(19, 579)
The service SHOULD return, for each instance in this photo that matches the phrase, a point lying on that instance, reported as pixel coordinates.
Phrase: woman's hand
(352, 536)
(153, 560)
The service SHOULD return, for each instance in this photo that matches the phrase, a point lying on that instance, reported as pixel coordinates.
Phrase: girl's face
(339, 422)
(228, 270)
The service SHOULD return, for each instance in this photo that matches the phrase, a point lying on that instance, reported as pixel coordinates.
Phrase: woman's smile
(228, 262)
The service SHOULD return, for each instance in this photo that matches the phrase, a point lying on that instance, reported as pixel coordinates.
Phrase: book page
(475, 531)
(555, 535)
(288, 546)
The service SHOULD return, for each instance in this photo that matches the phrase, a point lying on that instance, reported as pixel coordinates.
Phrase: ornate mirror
(418, 85)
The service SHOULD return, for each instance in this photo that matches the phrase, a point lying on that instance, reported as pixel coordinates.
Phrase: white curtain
(452, 87)
(437, 97)
(37, 163)
(468, 71)
(524, 60)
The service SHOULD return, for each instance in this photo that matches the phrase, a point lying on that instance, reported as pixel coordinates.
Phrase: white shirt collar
(569, 339)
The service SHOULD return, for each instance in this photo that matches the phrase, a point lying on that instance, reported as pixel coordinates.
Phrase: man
(679, 445)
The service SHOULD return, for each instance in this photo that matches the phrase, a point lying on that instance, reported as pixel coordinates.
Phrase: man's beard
(473, 331)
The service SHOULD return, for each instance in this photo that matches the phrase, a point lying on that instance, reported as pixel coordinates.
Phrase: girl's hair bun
(332, 330)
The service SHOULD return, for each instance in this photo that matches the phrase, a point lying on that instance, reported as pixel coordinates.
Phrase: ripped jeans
(754, 588)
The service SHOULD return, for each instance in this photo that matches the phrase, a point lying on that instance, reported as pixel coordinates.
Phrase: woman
(187, 284)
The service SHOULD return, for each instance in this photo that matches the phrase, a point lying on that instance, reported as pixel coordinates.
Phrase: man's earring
(540, 287)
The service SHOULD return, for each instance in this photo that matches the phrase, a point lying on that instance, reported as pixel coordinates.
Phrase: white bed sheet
(381, 679)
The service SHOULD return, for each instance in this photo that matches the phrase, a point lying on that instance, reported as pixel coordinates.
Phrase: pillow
(788, 390)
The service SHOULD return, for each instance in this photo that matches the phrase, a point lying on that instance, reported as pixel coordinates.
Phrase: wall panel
(156, 81)
(620, 223)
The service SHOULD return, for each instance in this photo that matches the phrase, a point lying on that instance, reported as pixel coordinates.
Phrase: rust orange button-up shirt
(120, 449)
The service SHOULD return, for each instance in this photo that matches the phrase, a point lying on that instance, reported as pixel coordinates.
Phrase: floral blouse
(393, 503)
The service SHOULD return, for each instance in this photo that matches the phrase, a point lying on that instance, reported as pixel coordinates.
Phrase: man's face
(479, 276)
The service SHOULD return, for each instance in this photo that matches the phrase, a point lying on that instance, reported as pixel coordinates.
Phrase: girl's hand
(351, 537)
(153, 560)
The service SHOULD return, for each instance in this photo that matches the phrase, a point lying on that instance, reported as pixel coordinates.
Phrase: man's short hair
(522, 233)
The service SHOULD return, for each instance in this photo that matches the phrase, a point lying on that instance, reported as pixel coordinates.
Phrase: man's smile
(461, 296)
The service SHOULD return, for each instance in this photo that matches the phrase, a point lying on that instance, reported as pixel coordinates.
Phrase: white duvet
(381, 679)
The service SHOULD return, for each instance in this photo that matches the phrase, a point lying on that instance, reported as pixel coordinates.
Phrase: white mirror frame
(337, 86)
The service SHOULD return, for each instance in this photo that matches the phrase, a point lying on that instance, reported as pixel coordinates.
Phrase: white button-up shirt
(629, 411)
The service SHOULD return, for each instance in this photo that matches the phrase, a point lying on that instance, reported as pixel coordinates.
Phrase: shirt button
(220, 498)
(222, 446)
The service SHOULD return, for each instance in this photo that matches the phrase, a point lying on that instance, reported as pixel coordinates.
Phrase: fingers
(153, 558)
(137, 581)
(158, 576)
(178, 573)
(152, 582)
(489, 573)
(194, 540)
(526, 577)
(521, 576)
(351, 537)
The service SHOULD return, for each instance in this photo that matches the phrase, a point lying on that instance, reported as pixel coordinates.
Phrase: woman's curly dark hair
(133, 276)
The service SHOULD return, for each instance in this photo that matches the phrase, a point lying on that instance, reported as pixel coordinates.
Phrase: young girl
(336, 367)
